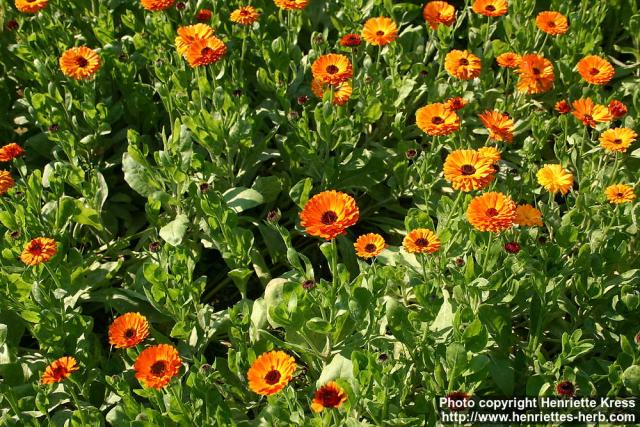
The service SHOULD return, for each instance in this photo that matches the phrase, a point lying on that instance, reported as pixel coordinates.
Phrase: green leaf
(319, 326)
(339, 367)
(241, 198)
(631, 379)
(173, 232)
(299, 193)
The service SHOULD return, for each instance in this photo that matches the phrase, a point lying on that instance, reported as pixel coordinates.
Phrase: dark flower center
(551, 24)
(620, 195)
(59, 372)
(617, 141)
(437, 120)
(464, 61)
(130, 333)
(491, 212)
(370, 248)
(332, 69)
(329, 217)
(272, 377)
(81, 62)
(422, 242)
(330, 398)
(594, 71)
(36, 248)
(158, 368)
(588, 117)
(379, 33)
(205, 51)
(467, 170)
(536, 71)
(244, 12)
(490, 8)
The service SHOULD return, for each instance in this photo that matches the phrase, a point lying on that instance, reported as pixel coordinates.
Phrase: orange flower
(341, 92)
(492, 211)
(6, 182)
(535, 74)
(79, 63)
(620, 193)
(245, 15)
(555, 179)
(617, 139)
(128, 330)
(508, 60)
(490, 7)
(528, 216)
(329, 214)
(379, 31)
(456, 103)
(490, 153)
(203, 15)
(467, 170)
(499, 125)
(156, 5)
(191, 33)
(595, 70)
(350, 40)
(59, 369)
(271, 372)
(589, 113)
(369, 245)
(553, 23)
(562, 107)
(38, 250)
(437, 119)
(617, 109)
(330, 395)
(462, 64)
(421, 241)
(291, 4)
(439, 12)
(332, 69)
(10, 152)
(31, 6)
(205, 52)
(156, 365)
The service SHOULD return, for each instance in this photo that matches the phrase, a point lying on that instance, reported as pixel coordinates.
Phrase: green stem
(488, 254)
(74, 396)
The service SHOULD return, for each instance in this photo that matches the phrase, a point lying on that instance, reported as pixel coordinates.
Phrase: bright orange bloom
(350, 40)
(245, 15)
(341, 92)
(421, 241)
(490, 153)
(620, 193)
(189, 34)
(617, 109)
(439, 12)
(499, 125)
(59, 370)
(31, 6)
(330, 395)
(6, 181)
(380, 31)
(589, 113)
(79, 63)
(492, 211)
(555, 179)
(128, 330)
(369, 245)
(205, 52)
(437, 119)
(271, 372)
(291, 4)
(38, 250)
(490, 7)
(456, 103)
(553, 23)
(562, 107)
(528, 216)
(329, 214)
(595, 70)
(10, 151)
(617, 139)
(156, 5)
(467, 170)
(156, 365)
(508, 60)
(332, 69)
(535, 74)
(462, 64)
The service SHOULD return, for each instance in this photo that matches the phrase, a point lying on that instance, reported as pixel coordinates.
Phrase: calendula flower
(490, 7)
(31, 6)
(535, 74)
(329, 214)
(565, 388)
(512, 247)
(271, 372)
(617, 109)
(457, 400)
(619, 193)
(528, 216)
(10, 151)
(494, 212)
(490, 153)
(6, 181)
(369, 245)
(128, 330)
(156, 365)
(156, 5)
(555, 179)
(203, 15)
(189, 34)
(508, 60)
(330, 395)
(291, 4)
(38, 250)
(205, 52)
(468, 170)
(562, 107)
(380, 31)
(341, 92)
(595, 70)
(332, 69)
(589, 113)
(245, 15)
(455, 103)
(462, 64)
(350, 40)
(421, 241)
(439, 12)
(499, 125)
(79, 63)
(437, 119)
(617, 139)
(552, 23)
(59, 370)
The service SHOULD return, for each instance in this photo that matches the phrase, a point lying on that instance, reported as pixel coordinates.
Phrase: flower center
(59, 372)
(588, 117)
(332, 69)
(594, 71)
(370, 248)
(130, 333)
(551, 24)
(158, 368)
(536, 71)
(464, 61)
(81, 62)
(379, 33)
(421, 242)
(566, 386)
(437, 120)
(617, 141)
(244, 12)
(491, 212)
(490, 8)
(206, 51)
(467, 170)
(329, 217)
(329, 398)
(36, 248)
(620, 195)
(272, 377)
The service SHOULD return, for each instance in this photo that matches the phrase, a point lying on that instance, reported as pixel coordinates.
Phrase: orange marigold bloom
(490, 153)
(203, 15)
(79, 63)
(462, 64)
(128, 330)
(492, 211)
(369, 245)
(271, 372)
(245, 15)
(528, 216)
(205, 52)
(380, 31)
(439, 12)
(595, 70)
(490, 7)
(59, 369)
(437, 119)
(562, 107)
(508, 60)
(589, 113)
(555, 179)
(330, 395)
(421, 241)
(332, 69)
(31, 6)
(329, 214)
(38, 250)
(10, 151)
(156, 5)
(156, 365)
(535, 74)
(468, 170)
(553, 23)
(6, 181)
(341, 92)
(619, 193)
(291, 4)
(456, 103)
(499, 125)
(350, 40)
(617, 109)
(617, 139)
(189, 34)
